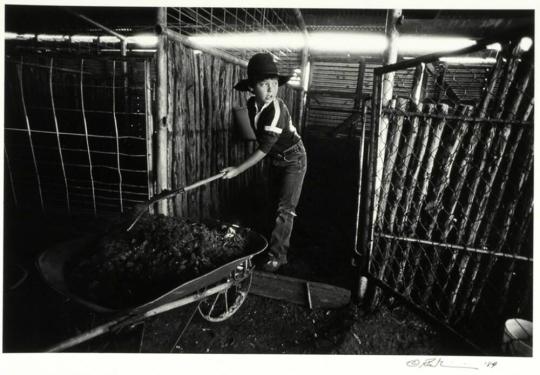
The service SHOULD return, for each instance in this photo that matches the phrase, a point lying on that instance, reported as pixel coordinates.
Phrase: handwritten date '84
(438, 362)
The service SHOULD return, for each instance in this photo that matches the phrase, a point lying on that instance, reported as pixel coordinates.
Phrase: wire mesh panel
(76, 132)
(233, 21)
(452, 202)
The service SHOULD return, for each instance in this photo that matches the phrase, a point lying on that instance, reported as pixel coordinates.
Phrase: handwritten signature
(438, 362)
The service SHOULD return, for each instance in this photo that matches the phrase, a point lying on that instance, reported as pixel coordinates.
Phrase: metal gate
(77, 133)
(450, 191)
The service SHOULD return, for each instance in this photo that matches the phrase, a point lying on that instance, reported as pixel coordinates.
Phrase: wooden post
(404, 191)
(391, 53)
(303, 92)
(418, 79)
(125, 75)
(419, 180)
(389, 169)
(426, 180)
(501, 188)
(525, 221)
(169, 52)
(395, 128)
(149, 131)
(433, 208)
(440, 91)
(161, 126)
(474, 196)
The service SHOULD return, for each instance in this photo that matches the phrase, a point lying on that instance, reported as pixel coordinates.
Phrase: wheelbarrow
(220, 292)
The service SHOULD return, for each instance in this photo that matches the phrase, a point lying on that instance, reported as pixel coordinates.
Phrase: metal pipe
(173, 35)
(103, 27)
(361, 160)
(452, 246)
(367, 181)
(454, 117)
(359, 282)
(402, 65)
(304, 63)
(369, 200)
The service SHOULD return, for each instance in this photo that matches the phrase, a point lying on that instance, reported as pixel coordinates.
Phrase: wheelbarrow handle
(171, 193)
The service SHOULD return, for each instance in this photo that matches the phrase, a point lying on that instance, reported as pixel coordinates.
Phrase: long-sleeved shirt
(273, 126)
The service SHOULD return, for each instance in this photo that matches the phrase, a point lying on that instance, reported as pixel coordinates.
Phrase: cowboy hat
(261, 66)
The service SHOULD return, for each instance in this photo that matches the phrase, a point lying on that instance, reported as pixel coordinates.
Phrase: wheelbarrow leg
(185, 328)
(143, 329)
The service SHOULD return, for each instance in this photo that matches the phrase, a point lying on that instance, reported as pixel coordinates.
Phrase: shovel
(168, 194)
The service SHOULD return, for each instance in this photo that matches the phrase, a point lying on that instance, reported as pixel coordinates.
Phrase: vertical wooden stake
(417, 83)
(149, 131)
(161, 160)
(387, 87)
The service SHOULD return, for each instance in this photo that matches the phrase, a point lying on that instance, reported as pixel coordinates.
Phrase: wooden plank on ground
(290, 289)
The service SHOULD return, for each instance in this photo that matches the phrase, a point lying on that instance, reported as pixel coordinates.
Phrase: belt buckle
(291, 149)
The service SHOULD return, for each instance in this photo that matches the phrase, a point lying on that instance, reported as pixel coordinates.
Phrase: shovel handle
(168, 194)
(204, 182)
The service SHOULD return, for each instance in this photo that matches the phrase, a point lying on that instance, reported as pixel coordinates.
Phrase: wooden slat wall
(338, 77)
(204, 139)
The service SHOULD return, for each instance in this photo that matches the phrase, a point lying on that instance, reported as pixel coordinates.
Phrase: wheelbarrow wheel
(224, 304)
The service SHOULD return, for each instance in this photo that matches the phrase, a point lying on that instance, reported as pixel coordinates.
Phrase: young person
(279, 140)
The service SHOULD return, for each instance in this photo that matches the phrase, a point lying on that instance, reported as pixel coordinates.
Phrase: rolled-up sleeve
(270, 126)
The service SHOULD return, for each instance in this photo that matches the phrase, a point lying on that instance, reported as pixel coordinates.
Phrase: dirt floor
(36, 317)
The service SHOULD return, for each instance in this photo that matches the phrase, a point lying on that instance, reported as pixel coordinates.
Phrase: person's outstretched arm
(253, 159)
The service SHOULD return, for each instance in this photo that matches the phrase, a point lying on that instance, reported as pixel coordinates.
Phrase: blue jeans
(287, 173)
